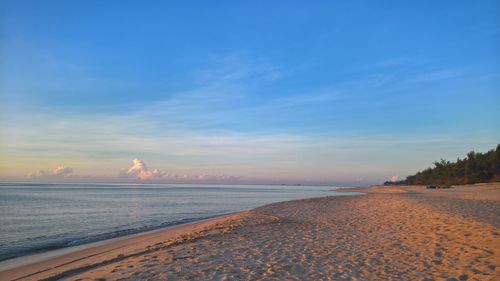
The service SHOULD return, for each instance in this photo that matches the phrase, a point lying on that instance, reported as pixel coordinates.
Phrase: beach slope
(401, 233)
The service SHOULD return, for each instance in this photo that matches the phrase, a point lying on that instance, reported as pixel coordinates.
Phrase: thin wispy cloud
(189, 155)
(237, 68)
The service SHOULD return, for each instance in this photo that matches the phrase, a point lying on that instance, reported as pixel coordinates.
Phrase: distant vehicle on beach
(432, 186)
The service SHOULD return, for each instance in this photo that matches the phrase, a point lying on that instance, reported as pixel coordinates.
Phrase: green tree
(475, 168)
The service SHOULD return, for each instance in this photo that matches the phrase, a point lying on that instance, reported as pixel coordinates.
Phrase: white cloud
(140, 171)
(394, 178)
(59, 172)
(62, 171)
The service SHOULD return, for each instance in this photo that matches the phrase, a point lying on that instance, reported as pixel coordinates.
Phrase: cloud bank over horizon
(138, 172)
(57, 173)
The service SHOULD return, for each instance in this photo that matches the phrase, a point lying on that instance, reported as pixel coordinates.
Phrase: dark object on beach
(432, 186)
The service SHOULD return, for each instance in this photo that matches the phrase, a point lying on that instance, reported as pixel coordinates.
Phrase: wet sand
(391, 233)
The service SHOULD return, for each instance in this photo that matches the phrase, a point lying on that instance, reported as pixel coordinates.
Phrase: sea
(36, 218)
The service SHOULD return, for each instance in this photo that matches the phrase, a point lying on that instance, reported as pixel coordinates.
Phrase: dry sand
(392, 233)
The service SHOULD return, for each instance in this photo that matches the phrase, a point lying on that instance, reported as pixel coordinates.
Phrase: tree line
(475, 168)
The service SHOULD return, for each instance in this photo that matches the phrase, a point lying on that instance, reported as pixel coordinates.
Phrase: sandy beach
(390, 233)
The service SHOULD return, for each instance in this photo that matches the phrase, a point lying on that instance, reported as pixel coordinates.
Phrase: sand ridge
(410, 234)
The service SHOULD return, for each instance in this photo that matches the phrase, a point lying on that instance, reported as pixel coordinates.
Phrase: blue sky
(349, 92)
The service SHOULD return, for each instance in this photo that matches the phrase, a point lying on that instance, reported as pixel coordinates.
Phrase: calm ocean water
(39, 217)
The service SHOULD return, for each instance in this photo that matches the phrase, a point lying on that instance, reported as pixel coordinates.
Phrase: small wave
(51, 244)
(130, 231)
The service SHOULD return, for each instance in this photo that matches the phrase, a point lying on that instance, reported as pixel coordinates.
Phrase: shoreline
(49, 259)
(385, 233)
(41, 256)
(78, 255)
(105, 228)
